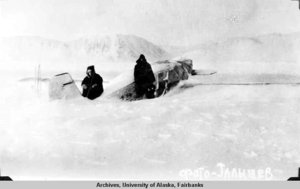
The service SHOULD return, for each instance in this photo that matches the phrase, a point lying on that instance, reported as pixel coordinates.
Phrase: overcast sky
(170, 22)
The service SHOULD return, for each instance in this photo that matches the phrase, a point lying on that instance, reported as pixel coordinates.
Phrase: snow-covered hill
(30, 48)
(276, 53)
(117, 48)
(86, 50)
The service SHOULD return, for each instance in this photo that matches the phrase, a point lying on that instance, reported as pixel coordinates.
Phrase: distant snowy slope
(29, 48)
(106, 48)
(267, 53)
(117, 47)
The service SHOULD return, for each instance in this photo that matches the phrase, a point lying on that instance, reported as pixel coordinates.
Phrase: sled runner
(203, 72)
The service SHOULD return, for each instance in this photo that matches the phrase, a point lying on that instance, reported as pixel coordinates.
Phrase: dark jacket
(143, 76)
(94, 83)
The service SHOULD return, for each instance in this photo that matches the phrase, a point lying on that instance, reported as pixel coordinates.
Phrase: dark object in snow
(298, 2)
(203, 72)
(295, 178)
(144, 78)
(62, 86)
(5, 178)
(92, 84)
(167, 74)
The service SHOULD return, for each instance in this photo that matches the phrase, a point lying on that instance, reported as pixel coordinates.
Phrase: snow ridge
(108, 48)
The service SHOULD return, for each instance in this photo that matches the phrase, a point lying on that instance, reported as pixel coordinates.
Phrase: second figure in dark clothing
(144, 78)
(92, 84)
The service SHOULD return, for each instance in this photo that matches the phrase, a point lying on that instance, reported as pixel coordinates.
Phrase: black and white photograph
(191, 90)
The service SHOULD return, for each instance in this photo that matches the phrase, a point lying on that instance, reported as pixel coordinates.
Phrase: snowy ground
(197, 128)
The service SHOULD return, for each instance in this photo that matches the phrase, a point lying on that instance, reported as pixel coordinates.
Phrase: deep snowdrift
(246, 127)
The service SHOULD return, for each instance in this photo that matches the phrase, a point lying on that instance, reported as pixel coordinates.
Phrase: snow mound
(118, 47)
(28, 51)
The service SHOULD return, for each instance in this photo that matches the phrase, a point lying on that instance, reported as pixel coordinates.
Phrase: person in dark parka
(144, 78)
(92, 84)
